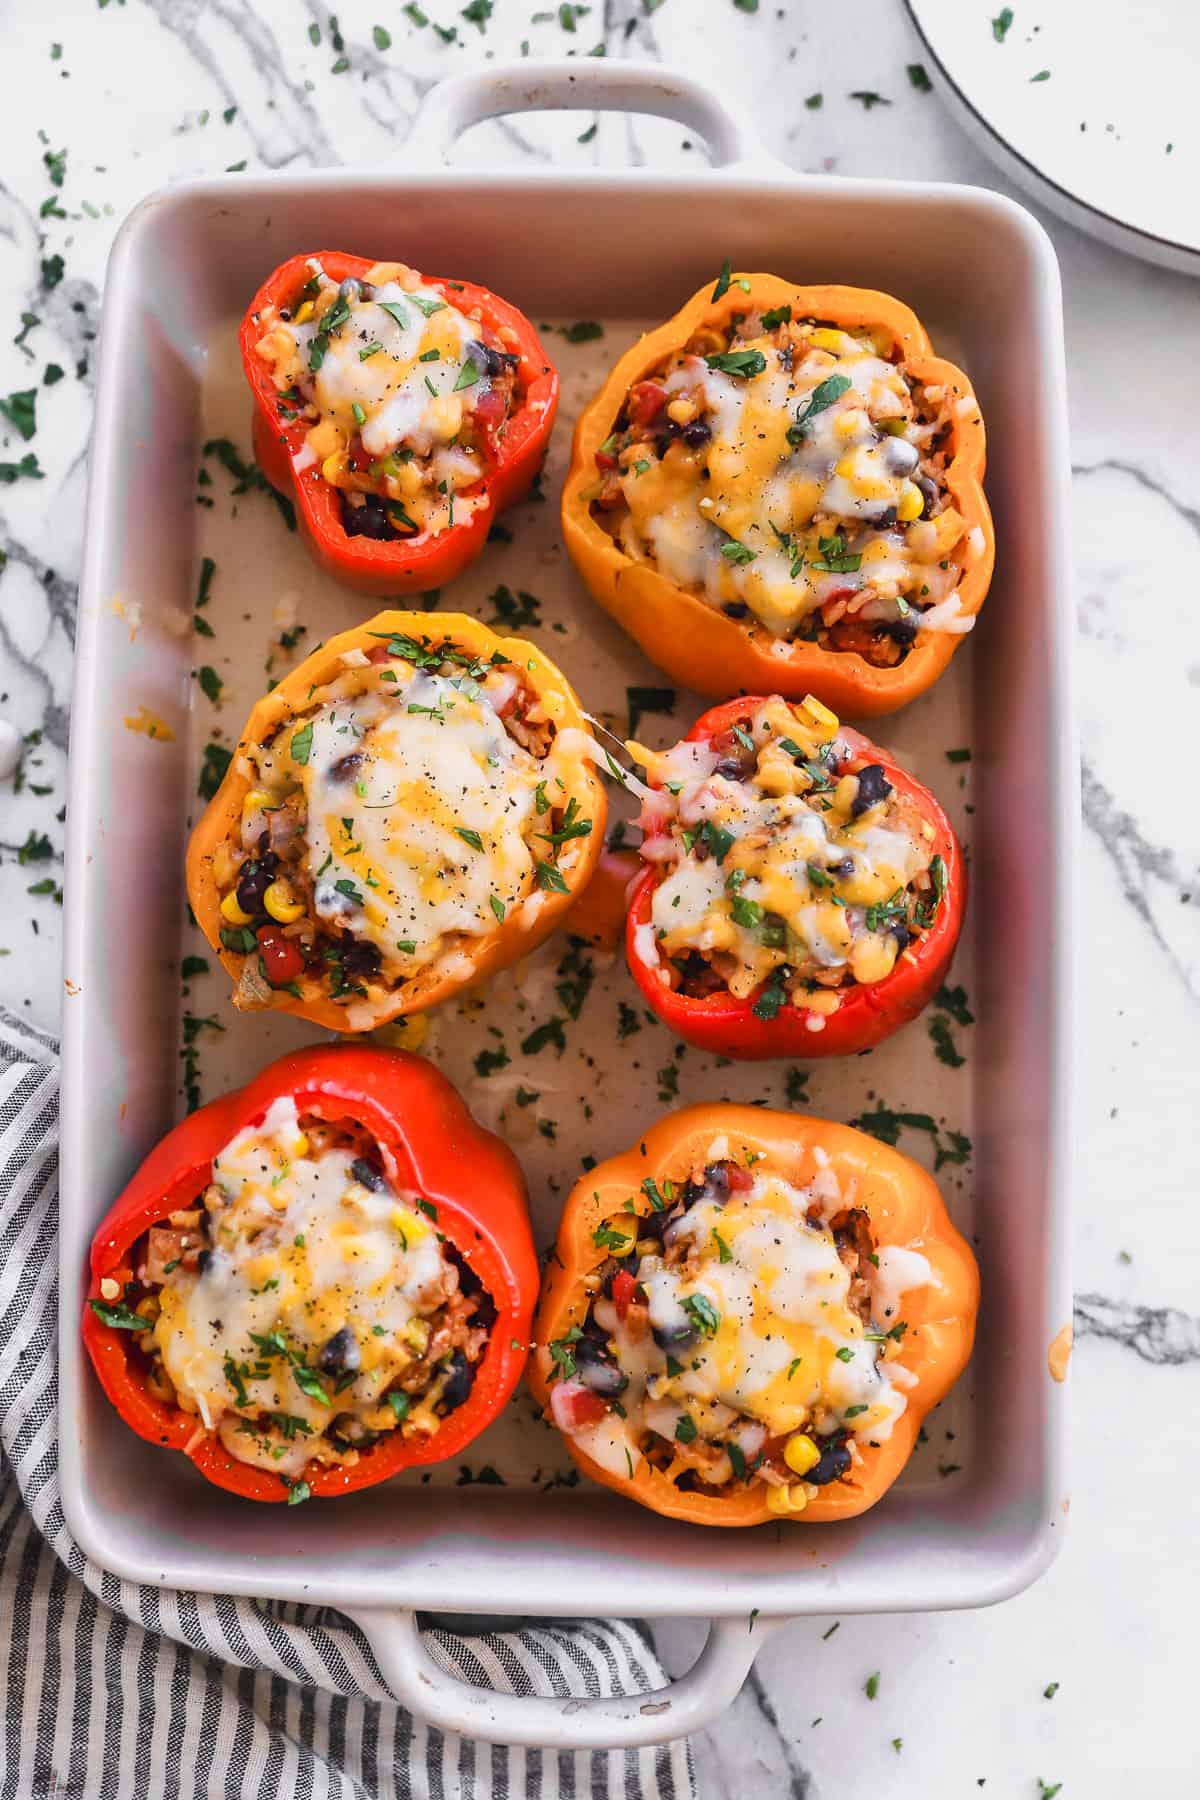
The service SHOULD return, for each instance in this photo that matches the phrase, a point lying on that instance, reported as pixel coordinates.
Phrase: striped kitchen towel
(121, 1692)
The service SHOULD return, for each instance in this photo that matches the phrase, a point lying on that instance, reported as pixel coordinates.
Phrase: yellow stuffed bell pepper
(747, 1316)
(780, 491)
(412, 808)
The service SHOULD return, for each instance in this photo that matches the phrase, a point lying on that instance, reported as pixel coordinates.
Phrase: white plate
(1090, 108)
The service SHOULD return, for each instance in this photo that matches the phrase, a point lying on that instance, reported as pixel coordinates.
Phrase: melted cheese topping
(426, 833)
(301, 1250)
(775, 1346)
(399, 372)
(803, 489)
(784, 867)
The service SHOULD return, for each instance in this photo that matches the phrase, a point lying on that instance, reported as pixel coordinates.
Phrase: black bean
(491, 362)
(360, 959)
(902, 935)
(370, 520)
(253, 883)
(885, 518)
(696, 434)
(900, 456)
(204, 1262)
(902, 631)
(735, 609)
(599, 1370)
(873, 786)
(348, 767)
(366, 290)
(346, 1432)
(458, 1386)
(834, 1463)
(367, 1175)
(845, 867)
(340, 1354)
(349, 290)
(929, 494)
(675, 1337)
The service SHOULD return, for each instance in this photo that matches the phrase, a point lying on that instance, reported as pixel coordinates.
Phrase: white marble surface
(136, 97)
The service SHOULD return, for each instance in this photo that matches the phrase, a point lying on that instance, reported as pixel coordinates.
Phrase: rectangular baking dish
(621, 247)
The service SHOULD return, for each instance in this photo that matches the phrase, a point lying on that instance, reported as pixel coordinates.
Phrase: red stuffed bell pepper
(318, 1280)
(804, 894)
(403, 412)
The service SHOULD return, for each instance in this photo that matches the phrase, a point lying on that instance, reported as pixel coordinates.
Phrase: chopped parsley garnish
(822, 397)
(497, 906)
(650, 1189)
(742, 363)
(723, 280)
(1002, 24)
(572, 827)
(605, 1238)
(551, 1032)
(298, 1491)
(210, 682)
(703, 1313)
(301, 744)
(919, 77)
(396, 311)
(562, 1352)
(723, 1250)
(549, 878)
(119, 1317)
(746, 912)
(944, 1047)
(835, 559)
(868, 98)
(20, 409)
(871, 1684)
(773, 996)
(353, 894)
(719, 841)
(425, 305)
(469, 837)
(685, 1428)
(734, 551)
(584, 330)
(737, 1460)
(776, 315)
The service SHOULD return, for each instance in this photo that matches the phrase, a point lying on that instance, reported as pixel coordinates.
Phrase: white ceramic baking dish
(622, 246)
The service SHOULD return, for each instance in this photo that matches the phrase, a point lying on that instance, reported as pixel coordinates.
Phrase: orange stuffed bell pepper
(318, 1280)
(804, 894)
(402, 412)
(748, 1316)
(779, 491)
(412, 808)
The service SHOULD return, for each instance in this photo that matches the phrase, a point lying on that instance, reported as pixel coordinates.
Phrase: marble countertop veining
(1083, 1680)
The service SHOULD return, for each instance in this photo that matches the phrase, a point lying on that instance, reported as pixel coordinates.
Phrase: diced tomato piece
(739, 1179)
(575, 1406)
(490, 409)
(624, 1289)
(604, 461)
(282, 956)
(646, 401)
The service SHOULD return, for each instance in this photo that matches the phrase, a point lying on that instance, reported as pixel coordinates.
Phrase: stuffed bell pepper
(318, 1280)
(780, 490)
(402, 413)
(748, 1316)
(803, 895)
(410, 809)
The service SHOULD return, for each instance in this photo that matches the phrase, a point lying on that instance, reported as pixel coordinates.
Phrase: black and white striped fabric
(120, 1692)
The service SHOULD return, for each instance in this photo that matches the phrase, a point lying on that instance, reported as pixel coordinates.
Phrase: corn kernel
(826, 339)
(800, 1453)
(282, 904)
(300, 1144)
(255, 799)
(851, 422)
(682, 412)
(412, 1227)
(303, 313)
(784, 1500)
(110, 1289)
(231, 911)
(820, 715)
(331, 468)
(416, 1334)
(911, 503)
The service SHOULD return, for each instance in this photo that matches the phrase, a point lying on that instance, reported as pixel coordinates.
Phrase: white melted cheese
(303, 1249)
(788, 1352)
(778, 840)
(750, 486)
(384, 838)
(406, 389)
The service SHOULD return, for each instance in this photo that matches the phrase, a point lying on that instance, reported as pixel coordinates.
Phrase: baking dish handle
(560, 1722)
(580, 84)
